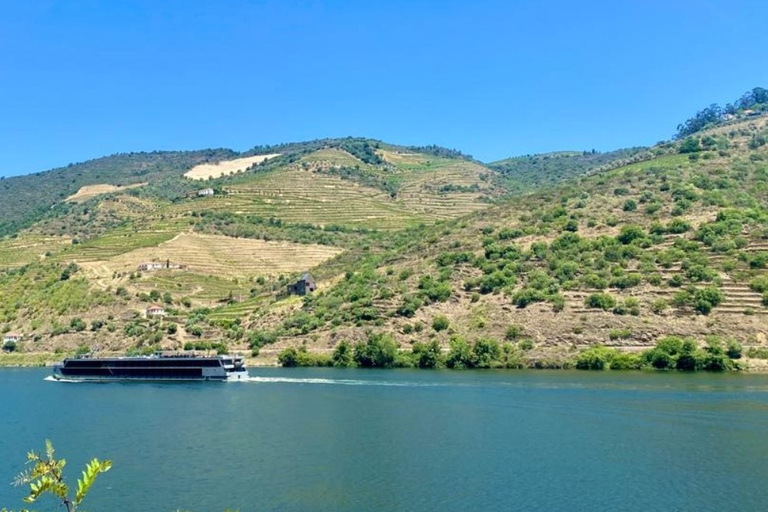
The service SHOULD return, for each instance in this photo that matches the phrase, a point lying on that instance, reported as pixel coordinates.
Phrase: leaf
(49, 449)
(92, 470)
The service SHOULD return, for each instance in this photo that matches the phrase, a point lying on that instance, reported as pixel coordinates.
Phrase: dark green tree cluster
(670, 353)
(756, 99)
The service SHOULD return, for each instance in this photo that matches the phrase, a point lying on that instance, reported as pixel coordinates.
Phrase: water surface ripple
(354, 440)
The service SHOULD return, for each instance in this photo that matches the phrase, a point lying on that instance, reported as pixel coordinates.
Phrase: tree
(460, 354)
(342, 355)
(428, 355)
(47, 477)
(379, 351)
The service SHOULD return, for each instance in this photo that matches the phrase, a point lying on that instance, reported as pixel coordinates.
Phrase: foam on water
(51, 378)
(339, 382)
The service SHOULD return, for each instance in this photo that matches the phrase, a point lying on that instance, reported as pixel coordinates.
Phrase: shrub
(759, 284)
(77, 324)
(595, 358)
(626, 361)
(343, 356)
(630, 205)
(620, 334)
(460, 354)
(440, 323)
(486, 353)
(658, 306)
(734, 349)
(602, 301)
(379, 351)
(526, 296)
(629, 233)
(513, 332)
(428, 355)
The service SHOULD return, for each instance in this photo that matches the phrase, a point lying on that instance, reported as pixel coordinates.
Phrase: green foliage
(630, 205)
(690, 145)
(26, 199)
(460, 354)
(595, 358)
(46, 477)
(379, 351)
(428, 355)
(602, 301)
(292, 357)
(440, 323)
(534, 171)
(343, 356)
(514, 331)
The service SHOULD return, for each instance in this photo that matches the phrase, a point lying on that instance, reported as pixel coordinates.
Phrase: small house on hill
(150, 265)
(306, 284)
(155, 311)
(11, 337)
(205, 192)
(155, 265)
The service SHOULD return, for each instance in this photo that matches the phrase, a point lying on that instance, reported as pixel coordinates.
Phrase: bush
(427, 355)
(759, 284)
(440, 323)
(380, 351)
(343, 356)
(513, 332)
(620, 334)
(526, 296)
(77, 324)
(595, 358)
(658, 306)
(734, 350)
(626, 361)
(629, 233)
(602, 301)
(630, 205)
(486, 353)
(460, 354)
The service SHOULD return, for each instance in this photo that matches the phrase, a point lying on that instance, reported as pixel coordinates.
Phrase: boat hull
(151, 369)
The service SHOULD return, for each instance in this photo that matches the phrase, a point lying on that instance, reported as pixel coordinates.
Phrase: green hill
(529, 172)
(28, 199)
(540, 257)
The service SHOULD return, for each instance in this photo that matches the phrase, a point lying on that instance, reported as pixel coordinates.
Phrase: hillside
(415, 244)
(27, 199)
(673, 245)
(529, 172)
(308, 204)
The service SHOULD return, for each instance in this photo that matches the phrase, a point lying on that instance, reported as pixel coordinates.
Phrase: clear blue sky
(81, 79)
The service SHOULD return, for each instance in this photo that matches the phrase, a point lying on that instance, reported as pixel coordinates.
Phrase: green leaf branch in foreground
(46, 476)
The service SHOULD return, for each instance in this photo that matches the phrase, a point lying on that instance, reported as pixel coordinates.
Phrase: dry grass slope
(90, 191)
(205, 171)
(225, 256)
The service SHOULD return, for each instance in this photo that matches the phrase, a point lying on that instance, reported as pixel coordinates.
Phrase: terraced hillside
(416, 244)
(25, 200)
(673, 245)
(331, 186)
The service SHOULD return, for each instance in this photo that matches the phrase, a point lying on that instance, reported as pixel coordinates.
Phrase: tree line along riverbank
(381, 351)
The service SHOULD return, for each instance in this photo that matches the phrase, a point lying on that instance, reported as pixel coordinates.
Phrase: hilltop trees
(756, 99)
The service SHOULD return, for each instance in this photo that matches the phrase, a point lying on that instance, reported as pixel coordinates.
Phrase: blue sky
(86, 78)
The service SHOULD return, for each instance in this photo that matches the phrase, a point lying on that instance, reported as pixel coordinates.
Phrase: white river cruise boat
(155, 367)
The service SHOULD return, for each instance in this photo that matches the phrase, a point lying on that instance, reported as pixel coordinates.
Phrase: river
(357, 440)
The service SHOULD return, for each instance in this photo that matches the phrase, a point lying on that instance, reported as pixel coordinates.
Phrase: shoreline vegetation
(380, 350)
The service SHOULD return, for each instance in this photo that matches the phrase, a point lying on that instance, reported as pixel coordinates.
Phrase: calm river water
(352, 440)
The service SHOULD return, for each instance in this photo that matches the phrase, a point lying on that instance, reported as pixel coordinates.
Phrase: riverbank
(550, 362)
